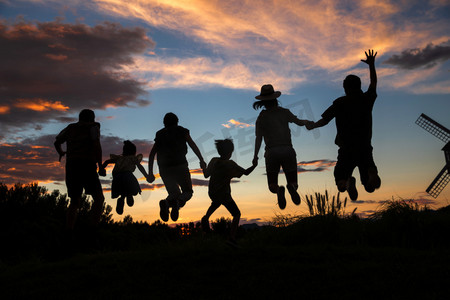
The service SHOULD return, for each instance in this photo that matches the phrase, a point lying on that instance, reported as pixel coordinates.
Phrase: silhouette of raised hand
(370, 58)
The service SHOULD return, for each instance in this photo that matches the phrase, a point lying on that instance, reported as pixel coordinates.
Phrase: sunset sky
(132, 61)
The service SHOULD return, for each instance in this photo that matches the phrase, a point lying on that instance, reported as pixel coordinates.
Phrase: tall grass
(321, 205)
(318, 205)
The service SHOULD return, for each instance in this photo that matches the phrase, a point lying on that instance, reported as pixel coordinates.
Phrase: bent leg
(185, 182)
(205, 220)
(231, 206)
(272, 181)
(72, 212)
(346, 163)
(97, 207)
(168, 176)
(368, 171)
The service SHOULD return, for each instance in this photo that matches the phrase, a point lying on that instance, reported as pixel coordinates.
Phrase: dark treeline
(32, 219)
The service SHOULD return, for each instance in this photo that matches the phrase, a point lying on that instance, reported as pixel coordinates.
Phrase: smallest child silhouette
(222, 170)
(124, 184)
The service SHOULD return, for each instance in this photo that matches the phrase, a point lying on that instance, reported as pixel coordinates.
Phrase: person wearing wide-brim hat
(272, 125)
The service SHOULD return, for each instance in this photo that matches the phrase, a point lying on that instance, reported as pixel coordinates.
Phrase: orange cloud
(4, 109)
(254, 40)
(38, 104)
(196, 171)
(237, 124)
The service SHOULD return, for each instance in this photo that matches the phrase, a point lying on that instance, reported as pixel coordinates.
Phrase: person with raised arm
(353, 116)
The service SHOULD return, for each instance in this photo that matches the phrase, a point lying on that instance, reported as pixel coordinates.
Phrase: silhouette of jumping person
(84, 153)
(353, 115)
(170, 149)
(222, 170)
(272, 125)
(124, 184)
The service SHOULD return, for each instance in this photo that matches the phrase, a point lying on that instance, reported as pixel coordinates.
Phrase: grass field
(403, 252)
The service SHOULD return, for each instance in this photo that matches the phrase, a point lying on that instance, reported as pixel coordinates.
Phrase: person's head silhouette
(129, 148)
(86, 115)
(170, 119)
(225, 148)
(352, 85)
(267, 98)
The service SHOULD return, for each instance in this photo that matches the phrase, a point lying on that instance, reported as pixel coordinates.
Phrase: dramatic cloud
(201, 72)
(416, 58)
(51, 69)
(32, 160)
(236, 124)
(286, 40)
(36, 160)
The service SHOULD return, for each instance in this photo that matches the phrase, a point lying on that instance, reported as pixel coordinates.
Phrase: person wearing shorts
(272, 125)
(222, 170)
(83, 155)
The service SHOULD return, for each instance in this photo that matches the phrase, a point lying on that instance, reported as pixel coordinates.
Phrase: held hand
(202, 165)
(102, 171)
(150, 178)
(310, 125)
(370, 58)
(255, 161)
(61, 155)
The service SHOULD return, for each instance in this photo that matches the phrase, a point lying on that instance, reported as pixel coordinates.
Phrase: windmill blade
(446, 150)
(440, 182)
(434, 128)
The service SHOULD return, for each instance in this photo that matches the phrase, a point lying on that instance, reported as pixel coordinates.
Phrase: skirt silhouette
(124, 184)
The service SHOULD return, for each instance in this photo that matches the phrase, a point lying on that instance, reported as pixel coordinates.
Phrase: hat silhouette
(268, 93)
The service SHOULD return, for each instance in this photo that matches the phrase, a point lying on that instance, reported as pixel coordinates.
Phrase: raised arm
(194, 148)
(370, 60)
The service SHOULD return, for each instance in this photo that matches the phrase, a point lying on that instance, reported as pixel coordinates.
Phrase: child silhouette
(273, 125)
(124, 184)
(222, 170)
(353, 115)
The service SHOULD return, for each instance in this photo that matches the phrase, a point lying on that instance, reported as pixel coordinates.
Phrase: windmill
(442, 133)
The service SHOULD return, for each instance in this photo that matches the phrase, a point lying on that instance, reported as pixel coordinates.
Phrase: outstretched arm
(370, 60)
(249, 170)
(107, 162)
(302, 122)
(141, 168)
(194, 148)
(320, 123)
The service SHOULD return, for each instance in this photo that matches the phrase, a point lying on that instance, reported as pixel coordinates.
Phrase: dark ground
(403, 252)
